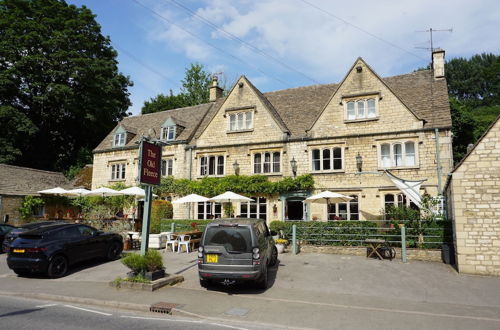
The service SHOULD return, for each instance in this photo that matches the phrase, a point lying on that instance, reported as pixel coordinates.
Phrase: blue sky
(282, 44)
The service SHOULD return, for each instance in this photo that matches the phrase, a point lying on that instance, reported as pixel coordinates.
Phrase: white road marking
(88, 310)
(186, 321)
(47, 305)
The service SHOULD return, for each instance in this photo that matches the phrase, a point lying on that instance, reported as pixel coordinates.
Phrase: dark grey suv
(236, 250)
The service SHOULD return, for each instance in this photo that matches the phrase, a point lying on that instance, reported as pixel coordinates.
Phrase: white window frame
(211, 210)
(168, 133)
(348, 213)
(204, 165)
(240, 121)
(273, 166)
(167, 167)
(399, 199)
(358, 115)
(118, 171)
(258, 202)
(331, 162)
(405, 156)
(119, 139)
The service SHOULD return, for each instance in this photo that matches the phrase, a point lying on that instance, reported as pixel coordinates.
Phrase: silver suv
(236, 250)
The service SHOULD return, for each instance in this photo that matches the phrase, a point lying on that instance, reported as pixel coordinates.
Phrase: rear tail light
(200, 252)
(255, 253)
(35, 250)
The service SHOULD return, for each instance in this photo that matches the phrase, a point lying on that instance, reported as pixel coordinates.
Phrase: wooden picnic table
(375, 245)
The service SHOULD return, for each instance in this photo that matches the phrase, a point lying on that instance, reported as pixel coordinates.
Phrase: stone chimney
(438, 63)
(215, 90)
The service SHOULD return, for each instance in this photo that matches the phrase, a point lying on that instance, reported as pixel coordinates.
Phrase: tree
(195, 84)
(163, 102)
(473, 87)
(59, 83)
(194, 91)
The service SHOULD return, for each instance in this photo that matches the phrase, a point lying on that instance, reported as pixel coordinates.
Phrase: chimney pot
(215, 90)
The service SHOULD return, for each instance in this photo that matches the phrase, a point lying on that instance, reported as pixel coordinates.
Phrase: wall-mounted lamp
(236, 167)
(293, 163)
(359, 162)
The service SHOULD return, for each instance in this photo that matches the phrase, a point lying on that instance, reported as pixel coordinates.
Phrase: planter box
(153, 276)
(154, 285)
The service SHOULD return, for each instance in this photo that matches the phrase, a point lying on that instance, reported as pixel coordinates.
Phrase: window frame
(257, 203)
(348, 209)
(274, 167)
(237, 118)
(365, 102)
(168, 169)
(219, 165)
(405, 156)
(119, 139)
(118, 171)
(166, 131)
(332, 159)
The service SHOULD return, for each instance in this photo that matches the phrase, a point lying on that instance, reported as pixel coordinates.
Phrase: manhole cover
(237, 311)
(162, 307)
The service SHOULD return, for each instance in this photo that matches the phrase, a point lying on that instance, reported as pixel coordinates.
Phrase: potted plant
(280, 244)
(149, 266)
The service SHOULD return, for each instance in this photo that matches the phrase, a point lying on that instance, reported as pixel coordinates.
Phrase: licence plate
(212, 258)
(18, 250)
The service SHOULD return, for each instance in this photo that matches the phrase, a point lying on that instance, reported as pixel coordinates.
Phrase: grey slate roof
(188, 117)
(22, 181)
(297, 108)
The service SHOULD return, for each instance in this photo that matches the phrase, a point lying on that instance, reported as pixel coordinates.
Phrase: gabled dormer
(170, 129)
(122, 136)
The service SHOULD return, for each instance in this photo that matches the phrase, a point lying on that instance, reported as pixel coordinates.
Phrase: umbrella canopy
(104, 192)
(328, 197)
(135, 191)
(229, 197)
(78, 192)
(193, 198)
(53, 191)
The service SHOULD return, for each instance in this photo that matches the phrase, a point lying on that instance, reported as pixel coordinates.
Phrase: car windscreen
(234, 238)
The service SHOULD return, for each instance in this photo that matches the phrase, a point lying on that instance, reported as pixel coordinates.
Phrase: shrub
(160, 209)
(139, 264)
(183, 225)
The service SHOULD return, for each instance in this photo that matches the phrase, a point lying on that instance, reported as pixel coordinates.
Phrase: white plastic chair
(171, 239)
(184, 240)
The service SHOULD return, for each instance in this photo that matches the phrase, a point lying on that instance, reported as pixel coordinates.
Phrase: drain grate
(162, 307)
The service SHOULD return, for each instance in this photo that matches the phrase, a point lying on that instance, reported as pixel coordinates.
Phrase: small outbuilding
(473, 193)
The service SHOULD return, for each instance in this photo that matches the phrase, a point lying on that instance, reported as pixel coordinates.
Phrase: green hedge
(183, 225)
(428, 234)
(339, 233)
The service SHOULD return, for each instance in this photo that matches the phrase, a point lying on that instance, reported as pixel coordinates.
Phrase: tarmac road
(307, 291)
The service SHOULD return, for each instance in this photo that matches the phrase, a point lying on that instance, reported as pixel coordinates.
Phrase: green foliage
(184, 225)
(60, 89)
(241, 184)
(473, 87)
(164, 102)
(28, 206)
(195, 84)
(140, 264)
(194, 91)
(160, 209)
(338, 233)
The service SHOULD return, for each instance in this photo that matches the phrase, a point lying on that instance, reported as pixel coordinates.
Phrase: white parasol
(53, 191)
(327, 197)
(104, 192)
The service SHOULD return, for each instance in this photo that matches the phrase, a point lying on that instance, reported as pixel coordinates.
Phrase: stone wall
(474, 192)
(10, 205)
(412, 254)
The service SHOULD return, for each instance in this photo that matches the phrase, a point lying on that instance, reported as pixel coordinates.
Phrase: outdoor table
(195, 237)
(375, 245)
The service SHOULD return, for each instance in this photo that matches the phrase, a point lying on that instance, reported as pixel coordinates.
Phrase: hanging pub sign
(150, 171)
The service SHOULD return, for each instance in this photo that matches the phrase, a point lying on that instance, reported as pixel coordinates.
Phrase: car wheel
(274, 257)
(21, 272)
(114, 251)
(262, 283)
(58, 267)
(204, 283)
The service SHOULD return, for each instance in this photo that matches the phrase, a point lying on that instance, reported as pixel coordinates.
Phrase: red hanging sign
(150, 171)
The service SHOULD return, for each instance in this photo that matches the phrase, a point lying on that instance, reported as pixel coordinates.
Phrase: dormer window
(241, 121)
(119, 139)
(168, 133)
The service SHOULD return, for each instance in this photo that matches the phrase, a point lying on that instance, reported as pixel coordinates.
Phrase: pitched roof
(21, 181)
(188, 117)
(295, 109)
